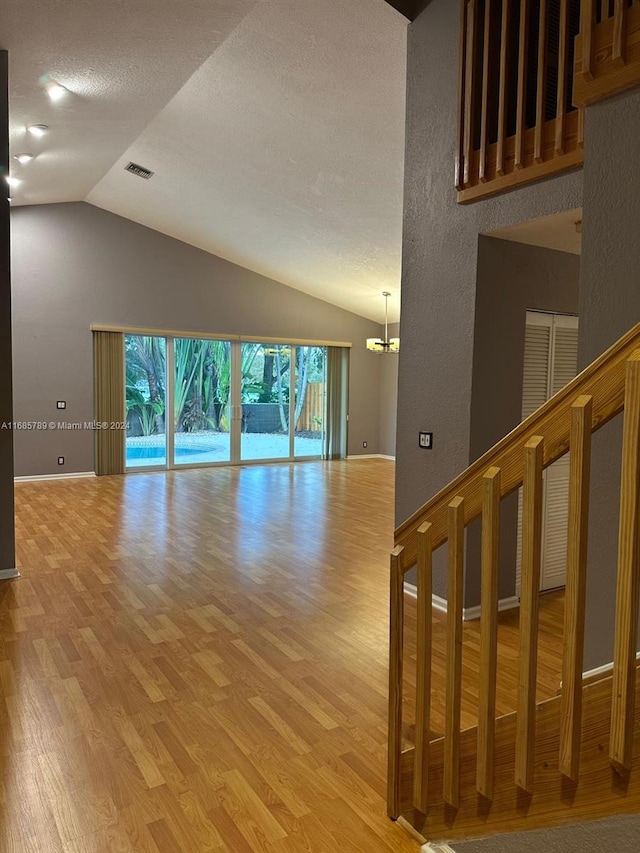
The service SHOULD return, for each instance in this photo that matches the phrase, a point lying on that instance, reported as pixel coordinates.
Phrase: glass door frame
(148, 469)
(235, 409)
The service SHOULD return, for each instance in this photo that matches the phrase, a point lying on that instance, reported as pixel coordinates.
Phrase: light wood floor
(197, 661)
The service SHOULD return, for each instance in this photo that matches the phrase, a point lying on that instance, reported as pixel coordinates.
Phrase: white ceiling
(557, 231)
(275, 128)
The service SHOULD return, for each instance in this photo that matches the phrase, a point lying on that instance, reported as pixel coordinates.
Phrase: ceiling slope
(284, 152)
(275, 129)
(121, 61)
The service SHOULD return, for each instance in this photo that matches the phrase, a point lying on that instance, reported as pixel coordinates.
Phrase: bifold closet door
(550, 362)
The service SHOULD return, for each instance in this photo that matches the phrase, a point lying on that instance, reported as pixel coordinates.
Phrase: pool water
(160, 452)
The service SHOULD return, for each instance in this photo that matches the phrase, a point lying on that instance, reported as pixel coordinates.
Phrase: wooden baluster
(488, 630)
(453, 687)
(502, 103)
(484, 127)
(462, 71)
(521, 115)
(538, 154)
(587, 25)
(469, 87)
(394, 756)
(423, 669)
(529, 606)
(576, 584)
(628, 586)
(618, 54)
(563, 71)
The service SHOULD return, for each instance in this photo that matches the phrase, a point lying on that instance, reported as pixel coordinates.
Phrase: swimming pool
(142, 452)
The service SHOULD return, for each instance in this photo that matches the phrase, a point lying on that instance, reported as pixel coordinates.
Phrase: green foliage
(145, 382)
(202, 384)
(203, 381)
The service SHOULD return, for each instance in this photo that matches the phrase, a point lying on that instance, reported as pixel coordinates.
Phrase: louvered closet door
(551, 354)
(563, 368)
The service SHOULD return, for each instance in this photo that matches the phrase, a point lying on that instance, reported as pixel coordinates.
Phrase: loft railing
(517, 120)
(610, 385)
(607, 49)
(528, 68)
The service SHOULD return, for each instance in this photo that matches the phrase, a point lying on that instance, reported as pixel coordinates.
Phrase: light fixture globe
(387, 344)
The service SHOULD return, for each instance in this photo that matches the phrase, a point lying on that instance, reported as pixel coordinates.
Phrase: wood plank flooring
(551, 621)
(197, 661)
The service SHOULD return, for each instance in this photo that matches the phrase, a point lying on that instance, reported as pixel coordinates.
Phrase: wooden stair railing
(607, 387)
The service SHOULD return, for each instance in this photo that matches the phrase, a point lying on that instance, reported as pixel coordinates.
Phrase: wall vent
(140, 171)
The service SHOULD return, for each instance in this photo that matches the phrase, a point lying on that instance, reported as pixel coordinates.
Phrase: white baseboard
(469, 613)
(436, 848)
(437, 602)
(372, 456)
(605, 669)
(510, 603)
(33, 478)
(9, 574)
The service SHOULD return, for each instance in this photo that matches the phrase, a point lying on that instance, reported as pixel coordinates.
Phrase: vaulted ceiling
(275, 128)
(409, 8)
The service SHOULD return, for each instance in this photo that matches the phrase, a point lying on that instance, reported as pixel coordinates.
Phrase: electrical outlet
(425, 440)
(62, 404)
(60, 460)
(364, 443)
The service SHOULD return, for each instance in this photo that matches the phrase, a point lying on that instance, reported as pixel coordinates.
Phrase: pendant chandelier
(387, 344)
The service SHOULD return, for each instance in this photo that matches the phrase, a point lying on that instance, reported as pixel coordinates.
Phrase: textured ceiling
(275, 128)
(557, 231)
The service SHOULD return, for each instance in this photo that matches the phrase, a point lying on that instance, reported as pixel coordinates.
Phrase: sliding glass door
(310, 399)
(146, 401)
(201, 401)
(194, 401)
(266, 395)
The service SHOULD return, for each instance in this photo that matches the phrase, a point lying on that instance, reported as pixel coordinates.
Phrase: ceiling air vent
(140, 171)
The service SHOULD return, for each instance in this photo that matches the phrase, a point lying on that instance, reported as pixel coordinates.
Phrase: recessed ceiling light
(38, 129)
(23, 158)
(13, 182)
(56, 91)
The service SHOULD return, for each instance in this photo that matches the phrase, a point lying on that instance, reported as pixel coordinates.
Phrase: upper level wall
(74, 264)
(440, 250)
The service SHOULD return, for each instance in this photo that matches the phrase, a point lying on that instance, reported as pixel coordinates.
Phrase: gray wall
(609, 306)
(440, 255)
(74, 264)
(389, 397)
(511, 278)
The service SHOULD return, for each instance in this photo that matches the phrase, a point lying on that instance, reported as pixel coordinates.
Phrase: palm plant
(145, 379)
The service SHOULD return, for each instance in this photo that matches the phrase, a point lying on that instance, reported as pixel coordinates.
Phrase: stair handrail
(603, 380)
(608, 386)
